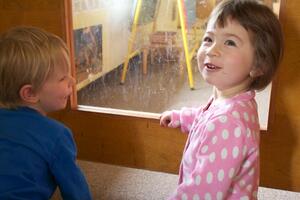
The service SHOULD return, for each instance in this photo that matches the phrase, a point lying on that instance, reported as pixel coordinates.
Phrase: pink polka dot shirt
(221, 155)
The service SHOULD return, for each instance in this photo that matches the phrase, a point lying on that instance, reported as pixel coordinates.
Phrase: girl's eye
(230, 43)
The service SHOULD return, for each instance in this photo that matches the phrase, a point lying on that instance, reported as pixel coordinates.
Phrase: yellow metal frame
(131, 39)
(185, 44)
(188, 55)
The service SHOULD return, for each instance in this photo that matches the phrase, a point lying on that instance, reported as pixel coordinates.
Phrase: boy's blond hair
(27, 56)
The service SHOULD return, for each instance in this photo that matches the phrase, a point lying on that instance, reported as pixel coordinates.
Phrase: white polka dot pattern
(209, 178)
(184, 196)
(221, 175)
(236, 114)
(221, 156)
(235, 152)
(198, 180)
(196, 197)
(176, 123)
(225, 134)
(207, 196)
(214, 140)
(219, 195)
(246, 116)
(210, 127)
(237, 132)
(223, 119)
(224, 153)
(212, 157)
(204, 149)
(244, 198)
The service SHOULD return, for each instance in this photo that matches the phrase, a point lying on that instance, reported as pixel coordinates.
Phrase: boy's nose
(72, 81)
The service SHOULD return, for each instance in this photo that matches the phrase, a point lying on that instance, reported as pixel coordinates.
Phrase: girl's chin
(208, 80)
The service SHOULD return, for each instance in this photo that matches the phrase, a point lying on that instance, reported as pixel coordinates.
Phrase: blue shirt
(37, 154)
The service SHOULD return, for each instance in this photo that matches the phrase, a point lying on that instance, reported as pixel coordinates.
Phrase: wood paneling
(127, 141)
(142, 143)
(41, 13)
(280, 149)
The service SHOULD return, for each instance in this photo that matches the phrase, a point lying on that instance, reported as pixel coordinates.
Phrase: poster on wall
(88, 51)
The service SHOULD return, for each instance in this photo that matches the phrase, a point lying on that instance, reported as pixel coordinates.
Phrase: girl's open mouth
(211, 66)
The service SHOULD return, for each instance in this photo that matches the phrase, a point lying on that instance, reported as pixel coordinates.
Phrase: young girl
(37, 154)
(239, 53)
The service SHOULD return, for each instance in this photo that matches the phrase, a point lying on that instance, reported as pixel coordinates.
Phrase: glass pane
(130, 54)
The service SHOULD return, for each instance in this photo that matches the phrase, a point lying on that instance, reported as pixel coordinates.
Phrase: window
(129, 56)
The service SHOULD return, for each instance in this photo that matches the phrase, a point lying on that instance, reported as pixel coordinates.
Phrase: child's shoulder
(241, 102)
(27, 127)
(32, 119)
(54, 127)
(242, 106)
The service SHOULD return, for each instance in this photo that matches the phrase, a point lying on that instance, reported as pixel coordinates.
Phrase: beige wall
(142, 143)
(116, 29)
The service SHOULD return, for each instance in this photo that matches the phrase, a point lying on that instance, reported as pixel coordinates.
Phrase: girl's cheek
(200, 56)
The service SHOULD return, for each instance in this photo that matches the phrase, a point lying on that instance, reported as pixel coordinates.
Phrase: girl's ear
(256, 72)
(28, 95)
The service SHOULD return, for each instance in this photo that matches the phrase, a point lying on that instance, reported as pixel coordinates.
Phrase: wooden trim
(274, 94)
(68, 24)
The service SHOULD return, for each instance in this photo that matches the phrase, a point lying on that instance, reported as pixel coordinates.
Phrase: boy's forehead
(61, 63)
(62, 57)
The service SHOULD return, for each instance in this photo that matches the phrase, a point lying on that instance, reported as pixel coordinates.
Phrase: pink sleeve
(184, 118)
(213, 159)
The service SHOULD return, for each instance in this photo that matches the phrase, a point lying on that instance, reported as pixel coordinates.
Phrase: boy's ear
(28, 95)
(256, 72)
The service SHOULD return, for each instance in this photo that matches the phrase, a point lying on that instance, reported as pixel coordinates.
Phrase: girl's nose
(213, 50)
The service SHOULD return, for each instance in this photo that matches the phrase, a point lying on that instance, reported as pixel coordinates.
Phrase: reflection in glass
(106, 36)
(88, 51)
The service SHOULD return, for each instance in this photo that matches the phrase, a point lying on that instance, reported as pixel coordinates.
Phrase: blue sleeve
(68, 176)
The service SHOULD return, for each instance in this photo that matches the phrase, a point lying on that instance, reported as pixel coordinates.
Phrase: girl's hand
(165, 119)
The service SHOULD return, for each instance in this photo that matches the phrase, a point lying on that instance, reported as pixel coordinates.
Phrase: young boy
(37, 154)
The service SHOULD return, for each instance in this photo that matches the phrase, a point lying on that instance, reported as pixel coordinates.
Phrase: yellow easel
(132, 38)
(185, 44)
(188, 55)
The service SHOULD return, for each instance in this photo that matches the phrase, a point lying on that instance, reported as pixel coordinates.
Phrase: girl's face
(226, 56)
(57, 88)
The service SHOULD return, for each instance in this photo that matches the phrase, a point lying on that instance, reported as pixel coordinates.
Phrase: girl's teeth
(211, 66)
